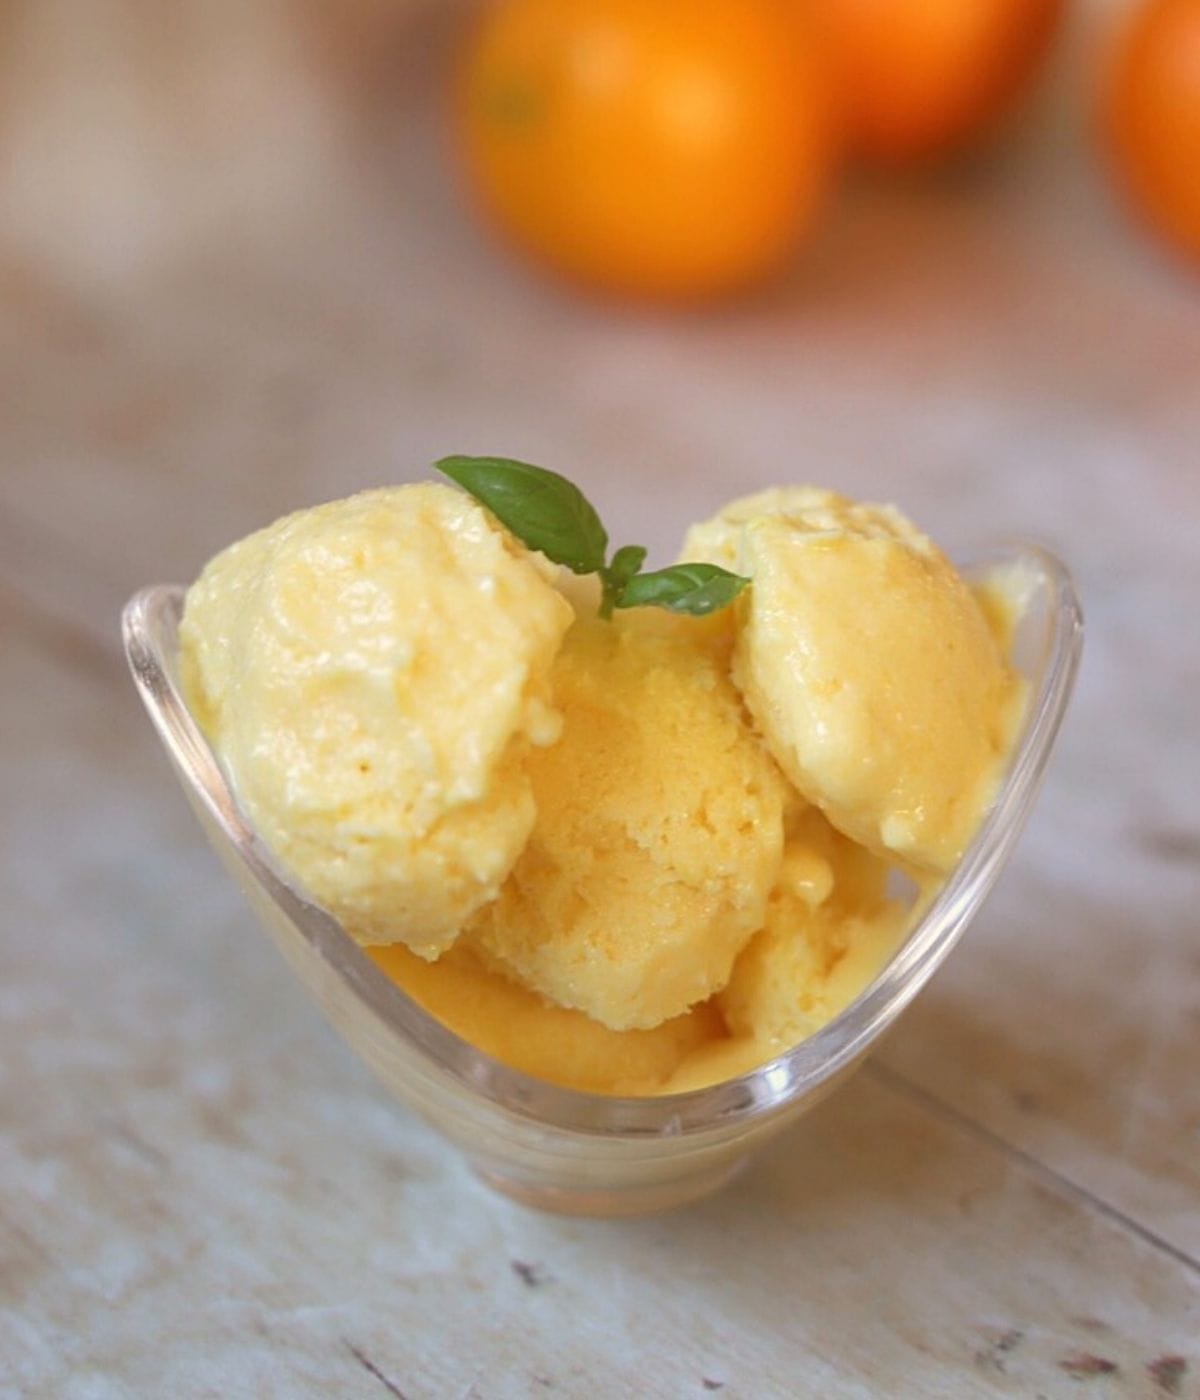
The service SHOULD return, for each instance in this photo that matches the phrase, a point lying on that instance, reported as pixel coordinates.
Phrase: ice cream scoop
(659, 828)
(869, 667)
(374, 672)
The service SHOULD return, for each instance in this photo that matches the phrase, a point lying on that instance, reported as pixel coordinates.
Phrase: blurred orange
(921, 78)
(673, 148)
(1152, 117)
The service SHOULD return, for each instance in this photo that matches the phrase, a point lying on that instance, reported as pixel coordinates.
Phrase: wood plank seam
(1050, 1176)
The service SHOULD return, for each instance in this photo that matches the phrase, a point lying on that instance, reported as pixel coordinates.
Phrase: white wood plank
(1014, 1189)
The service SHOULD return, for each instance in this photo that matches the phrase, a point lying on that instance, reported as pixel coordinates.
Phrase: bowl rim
(149, 630)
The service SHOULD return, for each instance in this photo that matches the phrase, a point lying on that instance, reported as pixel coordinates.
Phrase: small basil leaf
(544, 510)
(695, 589)
(625, 563)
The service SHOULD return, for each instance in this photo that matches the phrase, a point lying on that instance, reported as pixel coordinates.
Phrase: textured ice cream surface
(659, 829)
(869, 667)
(829, 929)
(374, 673)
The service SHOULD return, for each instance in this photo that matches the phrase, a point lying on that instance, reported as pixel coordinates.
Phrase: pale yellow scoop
(869, 667)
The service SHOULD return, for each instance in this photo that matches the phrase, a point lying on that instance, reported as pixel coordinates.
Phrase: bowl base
(611, 1202)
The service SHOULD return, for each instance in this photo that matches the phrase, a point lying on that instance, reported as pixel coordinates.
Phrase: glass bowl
(561, 1149)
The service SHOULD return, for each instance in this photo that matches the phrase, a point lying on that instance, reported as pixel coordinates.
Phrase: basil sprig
(618, 576)
(550, 514)
(687, 588)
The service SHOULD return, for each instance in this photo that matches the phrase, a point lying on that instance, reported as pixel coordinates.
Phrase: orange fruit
(1151, 108)
(671, 148)
(920, 79)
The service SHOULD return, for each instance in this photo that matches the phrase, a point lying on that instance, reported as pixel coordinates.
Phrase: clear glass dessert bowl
(558, 1148)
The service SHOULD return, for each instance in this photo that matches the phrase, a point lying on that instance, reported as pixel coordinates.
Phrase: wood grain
(202, 1193)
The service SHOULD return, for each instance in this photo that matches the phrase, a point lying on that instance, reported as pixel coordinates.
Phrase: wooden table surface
(202, 1193)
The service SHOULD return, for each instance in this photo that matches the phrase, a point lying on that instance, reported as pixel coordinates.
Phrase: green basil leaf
(625, 563)
(544, 510)
(695, 589)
